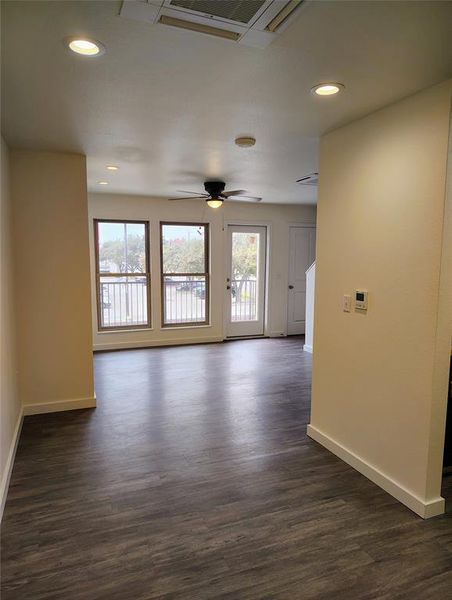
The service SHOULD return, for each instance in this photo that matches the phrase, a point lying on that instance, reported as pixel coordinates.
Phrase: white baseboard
(6, 475)
(153, 344)
(59, 405)
(424, 508)
(307, 348)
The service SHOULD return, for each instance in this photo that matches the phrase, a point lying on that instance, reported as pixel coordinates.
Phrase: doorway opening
(301, 257)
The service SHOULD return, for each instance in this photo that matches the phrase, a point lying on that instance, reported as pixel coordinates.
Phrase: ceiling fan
(215, 194)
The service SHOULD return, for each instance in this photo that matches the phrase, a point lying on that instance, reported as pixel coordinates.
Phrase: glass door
(245, 283)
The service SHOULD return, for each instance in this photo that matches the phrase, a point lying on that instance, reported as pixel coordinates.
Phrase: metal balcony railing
(123, 303)
(243, 300)
(184, 300)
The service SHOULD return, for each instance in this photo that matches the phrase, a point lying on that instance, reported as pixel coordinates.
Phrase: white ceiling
(166, 104)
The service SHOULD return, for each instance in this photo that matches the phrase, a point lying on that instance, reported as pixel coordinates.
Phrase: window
(122, 274)
(185, 273)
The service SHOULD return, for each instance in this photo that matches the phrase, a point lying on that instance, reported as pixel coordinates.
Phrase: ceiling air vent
(250, 22)
(278, 21)
(199, 27)
(311, 179)
(241, 11)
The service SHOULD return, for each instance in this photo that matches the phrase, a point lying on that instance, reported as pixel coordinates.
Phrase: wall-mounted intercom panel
(360, 300)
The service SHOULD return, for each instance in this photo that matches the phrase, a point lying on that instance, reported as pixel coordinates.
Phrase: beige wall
(443, 345)
(276, 216)
(380, 379)
(10, 409)
(52, 284)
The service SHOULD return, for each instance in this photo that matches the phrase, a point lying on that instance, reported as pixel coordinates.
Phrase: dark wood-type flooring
(194, 479)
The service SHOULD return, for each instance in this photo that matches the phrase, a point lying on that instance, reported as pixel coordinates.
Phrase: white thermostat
(360, 300)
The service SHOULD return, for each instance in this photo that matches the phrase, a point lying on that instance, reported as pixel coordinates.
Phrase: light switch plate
(347, 303)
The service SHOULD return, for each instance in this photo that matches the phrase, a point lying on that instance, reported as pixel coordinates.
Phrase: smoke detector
(245, 142)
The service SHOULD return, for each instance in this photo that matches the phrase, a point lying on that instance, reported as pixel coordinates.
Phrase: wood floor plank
(194, 479)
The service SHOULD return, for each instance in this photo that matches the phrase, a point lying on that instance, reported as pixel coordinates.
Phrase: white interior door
(301, 257)
(245, 283)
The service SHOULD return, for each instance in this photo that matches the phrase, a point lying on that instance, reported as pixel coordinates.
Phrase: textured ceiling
(166, 104)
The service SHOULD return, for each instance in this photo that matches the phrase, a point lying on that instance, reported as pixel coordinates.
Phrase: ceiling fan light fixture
(214, 202)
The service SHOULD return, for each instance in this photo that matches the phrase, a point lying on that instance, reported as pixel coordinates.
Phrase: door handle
(228, 287)
(290, 287)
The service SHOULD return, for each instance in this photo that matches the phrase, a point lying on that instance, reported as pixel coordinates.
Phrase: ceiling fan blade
(246, 198)
(195, 193)
(190, 198)
(234, 193)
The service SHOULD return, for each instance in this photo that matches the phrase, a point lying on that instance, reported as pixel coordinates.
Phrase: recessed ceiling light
(112, 167)
(102, 182)
(85, 46)
(327, 89)
(245, 142)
